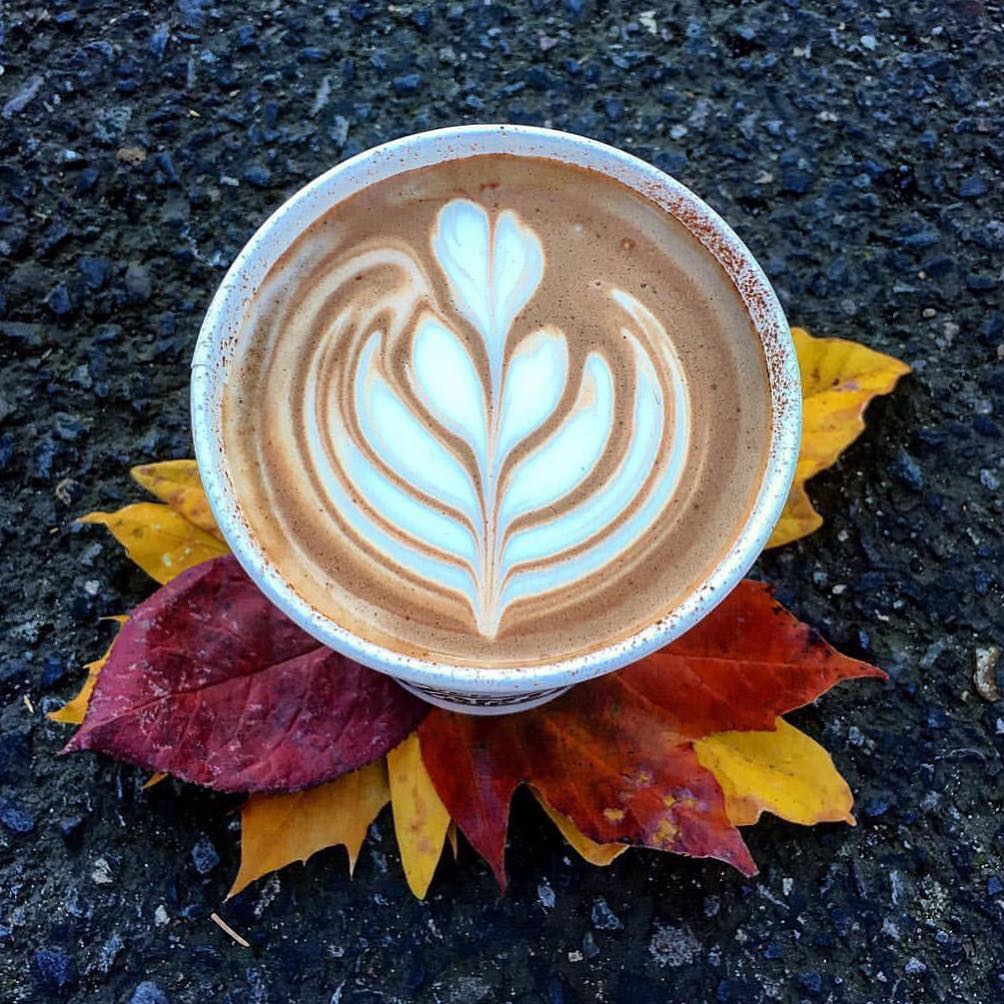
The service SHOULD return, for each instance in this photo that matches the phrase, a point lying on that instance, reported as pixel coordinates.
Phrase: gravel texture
(856, 147)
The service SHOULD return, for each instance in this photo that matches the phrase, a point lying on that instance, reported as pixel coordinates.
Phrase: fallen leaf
(420, 818)
(606, 761)
(616, 755)
(211, 683)
(277, 830)
(686, 744)
(73, 711)
(783, 772)
(177, 484)
(839, 379)
(161, 541)
(594, 853)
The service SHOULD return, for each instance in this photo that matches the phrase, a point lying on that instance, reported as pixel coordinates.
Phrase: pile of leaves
(211, 684)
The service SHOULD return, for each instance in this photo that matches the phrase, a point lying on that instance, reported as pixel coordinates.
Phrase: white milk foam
(496, 412)
(449, 525)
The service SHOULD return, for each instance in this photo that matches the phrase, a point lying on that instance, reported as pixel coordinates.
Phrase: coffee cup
(363, 503)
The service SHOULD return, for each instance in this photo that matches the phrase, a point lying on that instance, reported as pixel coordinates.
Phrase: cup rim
(220, 329)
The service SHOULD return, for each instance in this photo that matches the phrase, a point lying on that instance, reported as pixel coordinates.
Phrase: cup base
(482, 704)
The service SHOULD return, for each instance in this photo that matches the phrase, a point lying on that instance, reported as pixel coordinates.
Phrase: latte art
(492, 522)
(481, 418)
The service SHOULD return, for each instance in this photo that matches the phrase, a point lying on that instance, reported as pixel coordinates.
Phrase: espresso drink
(497, 411)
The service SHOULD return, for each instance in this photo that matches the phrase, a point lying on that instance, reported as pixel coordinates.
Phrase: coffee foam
(486, 411)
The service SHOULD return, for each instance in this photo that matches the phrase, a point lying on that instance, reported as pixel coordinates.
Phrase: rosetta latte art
(482, 463)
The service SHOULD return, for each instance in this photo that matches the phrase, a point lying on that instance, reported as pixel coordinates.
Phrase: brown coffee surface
(624, 413)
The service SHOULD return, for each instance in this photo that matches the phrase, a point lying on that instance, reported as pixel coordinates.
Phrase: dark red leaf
(209, 682)
(616, 754)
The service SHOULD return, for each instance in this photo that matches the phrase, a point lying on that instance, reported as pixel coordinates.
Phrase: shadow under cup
(472, 689)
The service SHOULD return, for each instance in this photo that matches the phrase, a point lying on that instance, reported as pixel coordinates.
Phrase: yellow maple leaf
(73, 711)
(177, 484)
(421, 821)
(277, 830)
(590, 850)
(783, 772)
(839, 378)
(161, 541)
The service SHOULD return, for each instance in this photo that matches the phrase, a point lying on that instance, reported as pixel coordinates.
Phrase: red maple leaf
(616, 754)
(210, 682)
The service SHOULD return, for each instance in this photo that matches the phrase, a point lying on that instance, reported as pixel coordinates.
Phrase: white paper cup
(474, 689)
